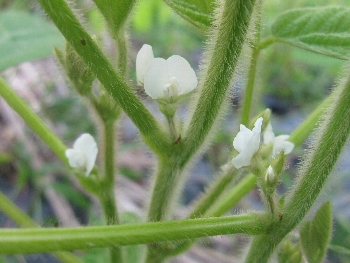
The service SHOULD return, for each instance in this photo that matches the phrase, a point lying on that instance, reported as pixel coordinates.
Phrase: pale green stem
(33, 121)
(37, 240)
(172, 128)
(266, 43)
(23, 220)
(107, 194)
(122, 50)
(115, 85)
(248, 91)
(332, 136)
(214, 193)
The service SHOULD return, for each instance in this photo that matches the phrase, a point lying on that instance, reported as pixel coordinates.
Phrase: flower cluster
(83, 154)
(247, 143)
(164, 79)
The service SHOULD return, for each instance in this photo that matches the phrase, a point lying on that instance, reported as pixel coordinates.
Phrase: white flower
(164, 79)
(280, 142)
(84, 152)
(247, 143)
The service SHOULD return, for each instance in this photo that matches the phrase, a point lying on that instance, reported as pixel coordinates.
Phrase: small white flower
(270, 175)
(247, 143)
(280, 142)
(164, 79)
(84, 152)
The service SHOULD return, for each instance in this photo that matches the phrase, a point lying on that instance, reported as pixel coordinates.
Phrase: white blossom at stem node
(247, 143)
(83, 154)
(279, 143)
(164, 79)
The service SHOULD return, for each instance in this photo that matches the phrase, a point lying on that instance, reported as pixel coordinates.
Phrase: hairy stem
(36, 240)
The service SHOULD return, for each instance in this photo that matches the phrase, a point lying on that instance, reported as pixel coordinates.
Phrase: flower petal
(87, 145)
(269, 136)
(76, 158)
(281, 144)
(156, 78)
(143, 58)
(257, 125)
(245, 156)
(242, 138)
(179, 68)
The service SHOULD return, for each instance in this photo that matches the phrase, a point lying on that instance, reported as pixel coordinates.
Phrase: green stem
(230, 32)
(214, 193)
(266, 43)
(107, 195)
(248, 93)
(231, 198)
(172, 128)
(115, 85)
(25, 221)
(37, 240)
(33, 121)
(122, 50)
(332, 136)
(164, 187)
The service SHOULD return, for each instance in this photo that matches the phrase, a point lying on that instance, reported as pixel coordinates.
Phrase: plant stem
(214, 193)
(248, 95)
(37, 240)
(172, 128)
(164, 187)
(107, 195)
(115, 85)
(332, 136)
(12, 211)
(33, 121)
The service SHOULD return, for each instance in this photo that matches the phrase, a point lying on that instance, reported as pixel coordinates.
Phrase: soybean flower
(247, 143)
(280, 142)
(164, 79)
(84, 152)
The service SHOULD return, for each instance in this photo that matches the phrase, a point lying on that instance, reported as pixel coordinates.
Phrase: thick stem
(36, 240)
(332, 136)
(23, 220)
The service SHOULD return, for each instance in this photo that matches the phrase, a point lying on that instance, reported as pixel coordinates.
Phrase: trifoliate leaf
(324, 30)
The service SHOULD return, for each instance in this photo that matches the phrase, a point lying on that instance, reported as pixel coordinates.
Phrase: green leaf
(197, 12)
(324, 30)
(25, 37)
(315, 235)
(340, 249)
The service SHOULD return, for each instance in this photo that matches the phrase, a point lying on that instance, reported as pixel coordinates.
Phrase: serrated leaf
(197, 12)
(315, 235)
(324, 30)
(24, 37)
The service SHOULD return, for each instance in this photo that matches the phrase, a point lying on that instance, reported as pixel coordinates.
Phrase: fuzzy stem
(164, 187)
(36, 240)
(25, 221)
(72, 30)
(332, 136)
(33, 121)
(214, 193)
(229, 35)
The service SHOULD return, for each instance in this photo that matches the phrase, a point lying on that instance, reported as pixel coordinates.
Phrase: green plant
(257, 151)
